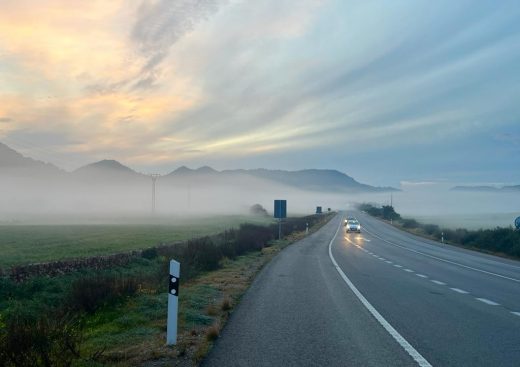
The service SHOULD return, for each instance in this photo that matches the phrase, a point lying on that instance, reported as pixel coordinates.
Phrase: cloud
(160, 24)
(5, 119)
(176, 81)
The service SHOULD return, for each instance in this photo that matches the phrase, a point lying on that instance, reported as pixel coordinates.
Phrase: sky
(385, 91)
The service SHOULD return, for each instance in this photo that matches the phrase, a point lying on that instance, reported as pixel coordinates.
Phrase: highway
(380, 298)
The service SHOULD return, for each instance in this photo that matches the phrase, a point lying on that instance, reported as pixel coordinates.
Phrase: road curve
(451, 307)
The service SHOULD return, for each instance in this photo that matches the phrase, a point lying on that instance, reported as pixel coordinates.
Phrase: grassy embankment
(117, 316)
(499, 241)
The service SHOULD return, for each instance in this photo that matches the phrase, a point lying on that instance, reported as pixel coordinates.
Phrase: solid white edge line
(417, 357)
(488, 302)
(441, 259)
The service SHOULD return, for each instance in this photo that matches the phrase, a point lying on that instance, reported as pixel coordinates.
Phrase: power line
(154, 177)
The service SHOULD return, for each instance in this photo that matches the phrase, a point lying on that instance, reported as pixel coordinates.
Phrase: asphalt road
(379, 298)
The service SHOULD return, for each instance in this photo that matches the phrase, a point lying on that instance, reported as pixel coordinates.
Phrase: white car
(353, 226)
(349, 219)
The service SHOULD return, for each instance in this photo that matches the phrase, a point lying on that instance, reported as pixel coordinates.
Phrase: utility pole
(154, 177)
(391, 199)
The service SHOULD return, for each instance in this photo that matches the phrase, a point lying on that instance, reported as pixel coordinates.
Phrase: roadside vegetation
(117, 316)
(499, 241)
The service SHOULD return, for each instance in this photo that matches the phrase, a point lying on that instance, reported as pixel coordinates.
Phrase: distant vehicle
(353, 226)
(349, 219)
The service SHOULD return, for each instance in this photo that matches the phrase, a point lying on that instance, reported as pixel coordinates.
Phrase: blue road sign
(319, 210)
(517, 223)
(280, 209)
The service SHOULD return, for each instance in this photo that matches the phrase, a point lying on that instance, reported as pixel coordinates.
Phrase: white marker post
(173, 303)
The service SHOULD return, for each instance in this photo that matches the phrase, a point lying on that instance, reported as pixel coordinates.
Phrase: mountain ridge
(326, 180)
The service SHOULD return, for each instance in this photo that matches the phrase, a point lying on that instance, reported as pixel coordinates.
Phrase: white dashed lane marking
(488, 302)
(461, 291)
(417, 357)
(457, 290)
(438, 282)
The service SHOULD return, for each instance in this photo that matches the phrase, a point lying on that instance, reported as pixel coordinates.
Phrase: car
(353, 226)
(349, 219)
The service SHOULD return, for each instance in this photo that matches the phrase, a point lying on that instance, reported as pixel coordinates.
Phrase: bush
(389, 213)
(88, 294)
(259, 210)
(409, 223)
(251, 237)
(149, 253)
(50, 340)
(203, 254)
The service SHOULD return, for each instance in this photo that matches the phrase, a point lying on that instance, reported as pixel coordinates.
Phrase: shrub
(409, 223)
(213, 332)
(251, 237)
(50, 340)
(202, 253)
(90, 293)
(259, 210)
(226, 304)
(149, 253)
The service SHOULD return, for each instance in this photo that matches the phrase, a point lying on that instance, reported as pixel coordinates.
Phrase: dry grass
(226, 304)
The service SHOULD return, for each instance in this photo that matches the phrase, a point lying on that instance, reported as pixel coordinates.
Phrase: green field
(23, 244)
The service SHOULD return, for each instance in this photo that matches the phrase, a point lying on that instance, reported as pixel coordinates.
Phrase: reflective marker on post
(173, 302)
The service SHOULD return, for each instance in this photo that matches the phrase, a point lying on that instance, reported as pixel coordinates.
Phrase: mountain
(185, 171)
(113, 172)
(106, 166)
(308, 179)
(12, 162)
(107, 171)
(515, 188)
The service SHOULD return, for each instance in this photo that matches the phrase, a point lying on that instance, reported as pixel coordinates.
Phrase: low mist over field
(435, 202)
(108, 191)
(33, 191)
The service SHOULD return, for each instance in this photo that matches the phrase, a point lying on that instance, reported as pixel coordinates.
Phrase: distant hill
(112, 171)
(107, 167)
(515, 188)
(308, 179)
(13, 162)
